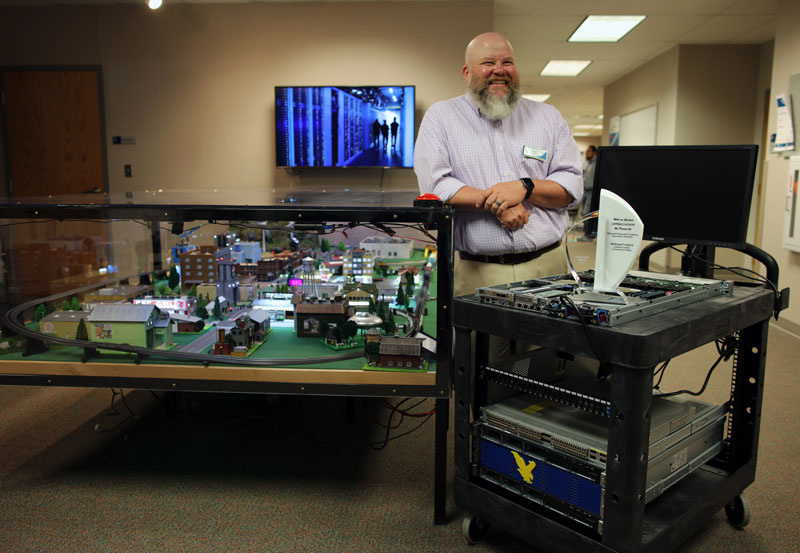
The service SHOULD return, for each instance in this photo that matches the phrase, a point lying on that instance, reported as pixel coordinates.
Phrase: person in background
(509, 166)
(588, 183)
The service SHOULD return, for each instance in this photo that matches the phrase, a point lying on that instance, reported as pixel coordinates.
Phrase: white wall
(194, 83)
(786, 63)
(655, 82)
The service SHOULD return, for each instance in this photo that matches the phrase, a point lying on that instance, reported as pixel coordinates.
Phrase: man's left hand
(502, 196)
(514, 218)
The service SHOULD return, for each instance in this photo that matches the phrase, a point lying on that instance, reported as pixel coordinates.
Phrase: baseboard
(788, 326)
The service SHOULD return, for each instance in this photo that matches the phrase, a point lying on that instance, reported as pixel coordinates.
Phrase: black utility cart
(632, 351)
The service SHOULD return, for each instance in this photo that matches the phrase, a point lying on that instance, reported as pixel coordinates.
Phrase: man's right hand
(514, 218)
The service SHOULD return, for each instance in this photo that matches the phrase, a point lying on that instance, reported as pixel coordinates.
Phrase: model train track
(14, 322)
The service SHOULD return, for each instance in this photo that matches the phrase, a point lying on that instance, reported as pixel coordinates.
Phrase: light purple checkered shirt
(456, 146)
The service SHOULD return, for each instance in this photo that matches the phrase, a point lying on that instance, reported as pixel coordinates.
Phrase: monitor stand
(698, 261)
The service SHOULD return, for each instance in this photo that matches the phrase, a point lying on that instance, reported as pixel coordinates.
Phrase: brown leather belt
(509, 258)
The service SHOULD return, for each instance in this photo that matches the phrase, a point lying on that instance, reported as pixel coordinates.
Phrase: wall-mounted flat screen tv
(344, 126)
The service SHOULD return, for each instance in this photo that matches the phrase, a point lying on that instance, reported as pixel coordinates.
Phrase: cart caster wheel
(474, 529)
(738, 511)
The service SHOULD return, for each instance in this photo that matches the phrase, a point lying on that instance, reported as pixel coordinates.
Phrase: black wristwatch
(529, 186)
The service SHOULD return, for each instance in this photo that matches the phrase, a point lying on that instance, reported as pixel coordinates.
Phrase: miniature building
(186, 323)
(126, 323)
(278, 306)
(204, 267)
(63, 323)
(118, 293)
(312, 316)
(268, 269)
(249, 269)
(197, 267)
(400, 352)
(171, 304)
(260, 318)
(243, 333)
(222, 346)
(387, 247)
(359, 263)
(359, 294)
(251, 251)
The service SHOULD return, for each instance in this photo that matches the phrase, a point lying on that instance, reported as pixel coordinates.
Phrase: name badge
(534, 153)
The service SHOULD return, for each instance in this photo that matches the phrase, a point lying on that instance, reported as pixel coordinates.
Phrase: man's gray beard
(491, 106)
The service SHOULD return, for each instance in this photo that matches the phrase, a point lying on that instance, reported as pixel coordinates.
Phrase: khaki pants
(469, 275)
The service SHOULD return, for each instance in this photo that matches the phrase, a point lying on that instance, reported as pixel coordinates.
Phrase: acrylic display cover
(344, 126)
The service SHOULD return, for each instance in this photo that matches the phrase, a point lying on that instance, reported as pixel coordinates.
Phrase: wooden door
(55, 153)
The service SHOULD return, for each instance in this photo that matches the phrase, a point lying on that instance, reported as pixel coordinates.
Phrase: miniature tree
(388, 325)
(325, 246)
(65, 305)
(75, 305)
(371, 308)
(217, 309)
(40, 313)
(409, 285)
(200, 307)
(341, 246)
(81, 333)
(164, 290)
(349, 329)
(174, 278)
(192, 293)
(401, 296)
(372, 350)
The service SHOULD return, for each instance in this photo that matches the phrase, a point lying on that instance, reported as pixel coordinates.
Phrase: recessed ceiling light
(582, 134)
(591, 127)
(536, 97)
(154, 4)
(564, 68)
(605, 28)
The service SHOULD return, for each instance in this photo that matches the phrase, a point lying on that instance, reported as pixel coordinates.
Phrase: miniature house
(126, 323)
(312, 315)
(400, 352)
(62, 323)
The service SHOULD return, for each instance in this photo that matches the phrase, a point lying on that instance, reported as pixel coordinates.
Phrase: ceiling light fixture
(605, 28)
(537, 97)
(154, 4)
(564, 68)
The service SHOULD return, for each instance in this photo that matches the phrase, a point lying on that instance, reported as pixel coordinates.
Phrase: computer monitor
(697, 195)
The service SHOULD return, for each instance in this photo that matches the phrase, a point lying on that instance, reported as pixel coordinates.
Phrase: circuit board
(640, 294)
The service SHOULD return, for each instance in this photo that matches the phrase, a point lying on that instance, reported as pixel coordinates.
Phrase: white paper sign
(784, 133)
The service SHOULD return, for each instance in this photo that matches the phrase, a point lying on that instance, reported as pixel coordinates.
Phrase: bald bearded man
(508, 165)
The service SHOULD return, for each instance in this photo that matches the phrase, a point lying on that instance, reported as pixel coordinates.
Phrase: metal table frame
(633, 349)
(280, 380)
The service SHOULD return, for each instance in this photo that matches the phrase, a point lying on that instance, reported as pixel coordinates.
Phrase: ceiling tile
(549, 27)
(762, 33)
(753, 7)
(723, 28)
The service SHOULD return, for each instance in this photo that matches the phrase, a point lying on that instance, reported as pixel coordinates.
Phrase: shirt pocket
(535, 168)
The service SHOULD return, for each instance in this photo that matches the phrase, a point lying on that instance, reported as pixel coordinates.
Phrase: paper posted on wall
(784, 133)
